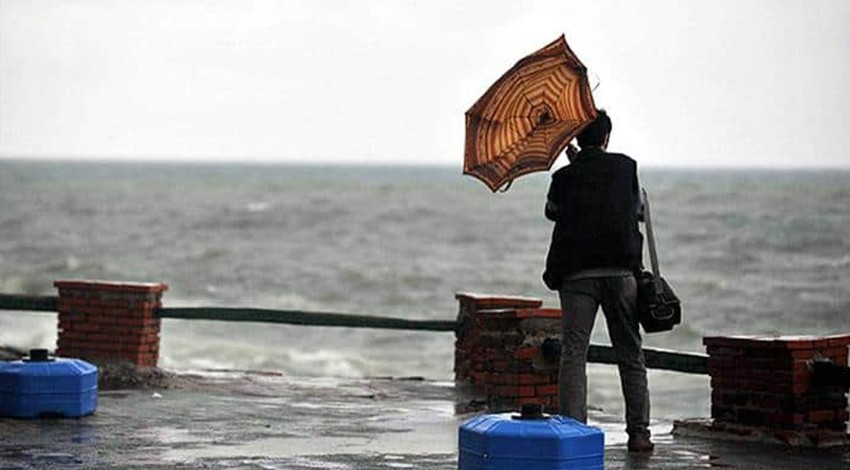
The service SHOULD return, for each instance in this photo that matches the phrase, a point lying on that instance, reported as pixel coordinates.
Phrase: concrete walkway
(260, 421)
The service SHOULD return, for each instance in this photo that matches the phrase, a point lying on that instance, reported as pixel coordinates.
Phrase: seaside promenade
(256, 420)
(269, 420)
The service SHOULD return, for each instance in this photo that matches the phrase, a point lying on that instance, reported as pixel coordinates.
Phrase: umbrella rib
(564, 93)
(517, 143)
(502, 121)
(524, 88)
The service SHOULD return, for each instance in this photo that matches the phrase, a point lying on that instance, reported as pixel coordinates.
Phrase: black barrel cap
(531, 411)
(38, 355)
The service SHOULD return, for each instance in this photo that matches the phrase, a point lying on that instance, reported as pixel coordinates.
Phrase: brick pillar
(765, 382)
(108, 322)
(499, 359)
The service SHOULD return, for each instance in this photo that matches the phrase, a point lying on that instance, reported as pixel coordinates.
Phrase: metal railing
(298, 317)
(47, 303)
(685, 362)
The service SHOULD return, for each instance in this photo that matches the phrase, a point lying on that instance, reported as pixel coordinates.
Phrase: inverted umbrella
(528, 117)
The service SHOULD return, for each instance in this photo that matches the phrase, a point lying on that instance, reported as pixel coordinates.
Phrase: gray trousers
(580, 299)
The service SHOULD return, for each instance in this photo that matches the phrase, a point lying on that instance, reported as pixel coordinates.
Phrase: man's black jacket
(594, 203)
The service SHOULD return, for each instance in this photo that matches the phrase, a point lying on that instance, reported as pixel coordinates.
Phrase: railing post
(499, 359)
(109, 322)
(765, 383)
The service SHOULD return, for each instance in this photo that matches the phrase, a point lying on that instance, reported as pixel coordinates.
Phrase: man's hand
(551, 211)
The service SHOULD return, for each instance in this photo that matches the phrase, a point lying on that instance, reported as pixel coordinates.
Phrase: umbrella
(528, 117)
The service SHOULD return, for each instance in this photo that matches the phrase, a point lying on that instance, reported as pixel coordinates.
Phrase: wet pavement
(267, 421)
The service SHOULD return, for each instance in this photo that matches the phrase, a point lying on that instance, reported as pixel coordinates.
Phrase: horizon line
(369, 163)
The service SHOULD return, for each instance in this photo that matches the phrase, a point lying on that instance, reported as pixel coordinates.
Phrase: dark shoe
(640, 443)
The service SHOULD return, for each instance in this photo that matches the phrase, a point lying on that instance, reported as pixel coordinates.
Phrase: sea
(747, 251)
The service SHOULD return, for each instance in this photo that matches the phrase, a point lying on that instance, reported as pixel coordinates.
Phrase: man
(596, 248)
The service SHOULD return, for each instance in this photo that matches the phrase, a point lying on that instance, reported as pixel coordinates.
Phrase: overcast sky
(720, 83)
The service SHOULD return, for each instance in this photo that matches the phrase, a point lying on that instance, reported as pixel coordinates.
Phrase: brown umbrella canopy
(527, 118)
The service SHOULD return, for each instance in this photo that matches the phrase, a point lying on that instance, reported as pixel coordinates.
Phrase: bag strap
(650, 237)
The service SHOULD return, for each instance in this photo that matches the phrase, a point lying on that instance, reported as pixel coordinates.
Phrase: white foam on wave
(28, 330)
(222, 354)
(258, 206)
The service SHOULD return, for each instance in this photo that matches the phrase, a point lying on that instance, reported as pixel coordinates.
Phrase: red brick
(532, 379)
(786, 418)
(81, 309)
(151, 337)
(767, 401)
(514, 391)
(797, 343)
(508, 339)
(102, 317)
(71, 293)
(140, 323)
(81, 285)
(496, 378)
(750, 417)
(801, 375)
(76, 335)
(834, 352)
(501, 366)
(723, 351)
(147, 348)
(72, 316)
(127, 339)
(734, 384)
(820, 342)
(838, 340)
(803, 355)
(539, 313)
(546, 389)
(113, 304)
(760, 342)
(485, 301)
(731, 398)
(147, 361)
(121, 330)
(732, 342)
(68, 304)
(527, 352)
(137, 314)
(822, 416)
(800, 388)
(78, 327)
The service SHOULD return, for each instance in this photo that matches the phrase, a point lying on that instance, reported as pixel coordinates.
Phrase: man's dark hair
(595, 132)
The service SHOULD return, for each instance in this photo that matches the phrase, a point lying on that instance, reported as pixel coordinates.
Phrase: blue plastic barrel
(43, 386)
(530, 441)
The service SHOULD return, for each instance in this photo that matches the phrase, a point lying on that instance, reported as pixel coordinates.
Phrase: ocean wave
(27, 284)
(811, 263)
(72, 264)
(258, 206)
(28, 330)
(840, 262)
(221, 354)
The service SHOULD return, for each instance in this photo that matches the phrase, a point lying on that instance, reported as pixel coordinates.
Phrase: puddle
(172, 435)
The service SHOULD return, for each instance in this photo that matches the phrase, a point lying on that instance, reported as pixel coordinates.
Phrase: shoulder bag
(658, 306)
